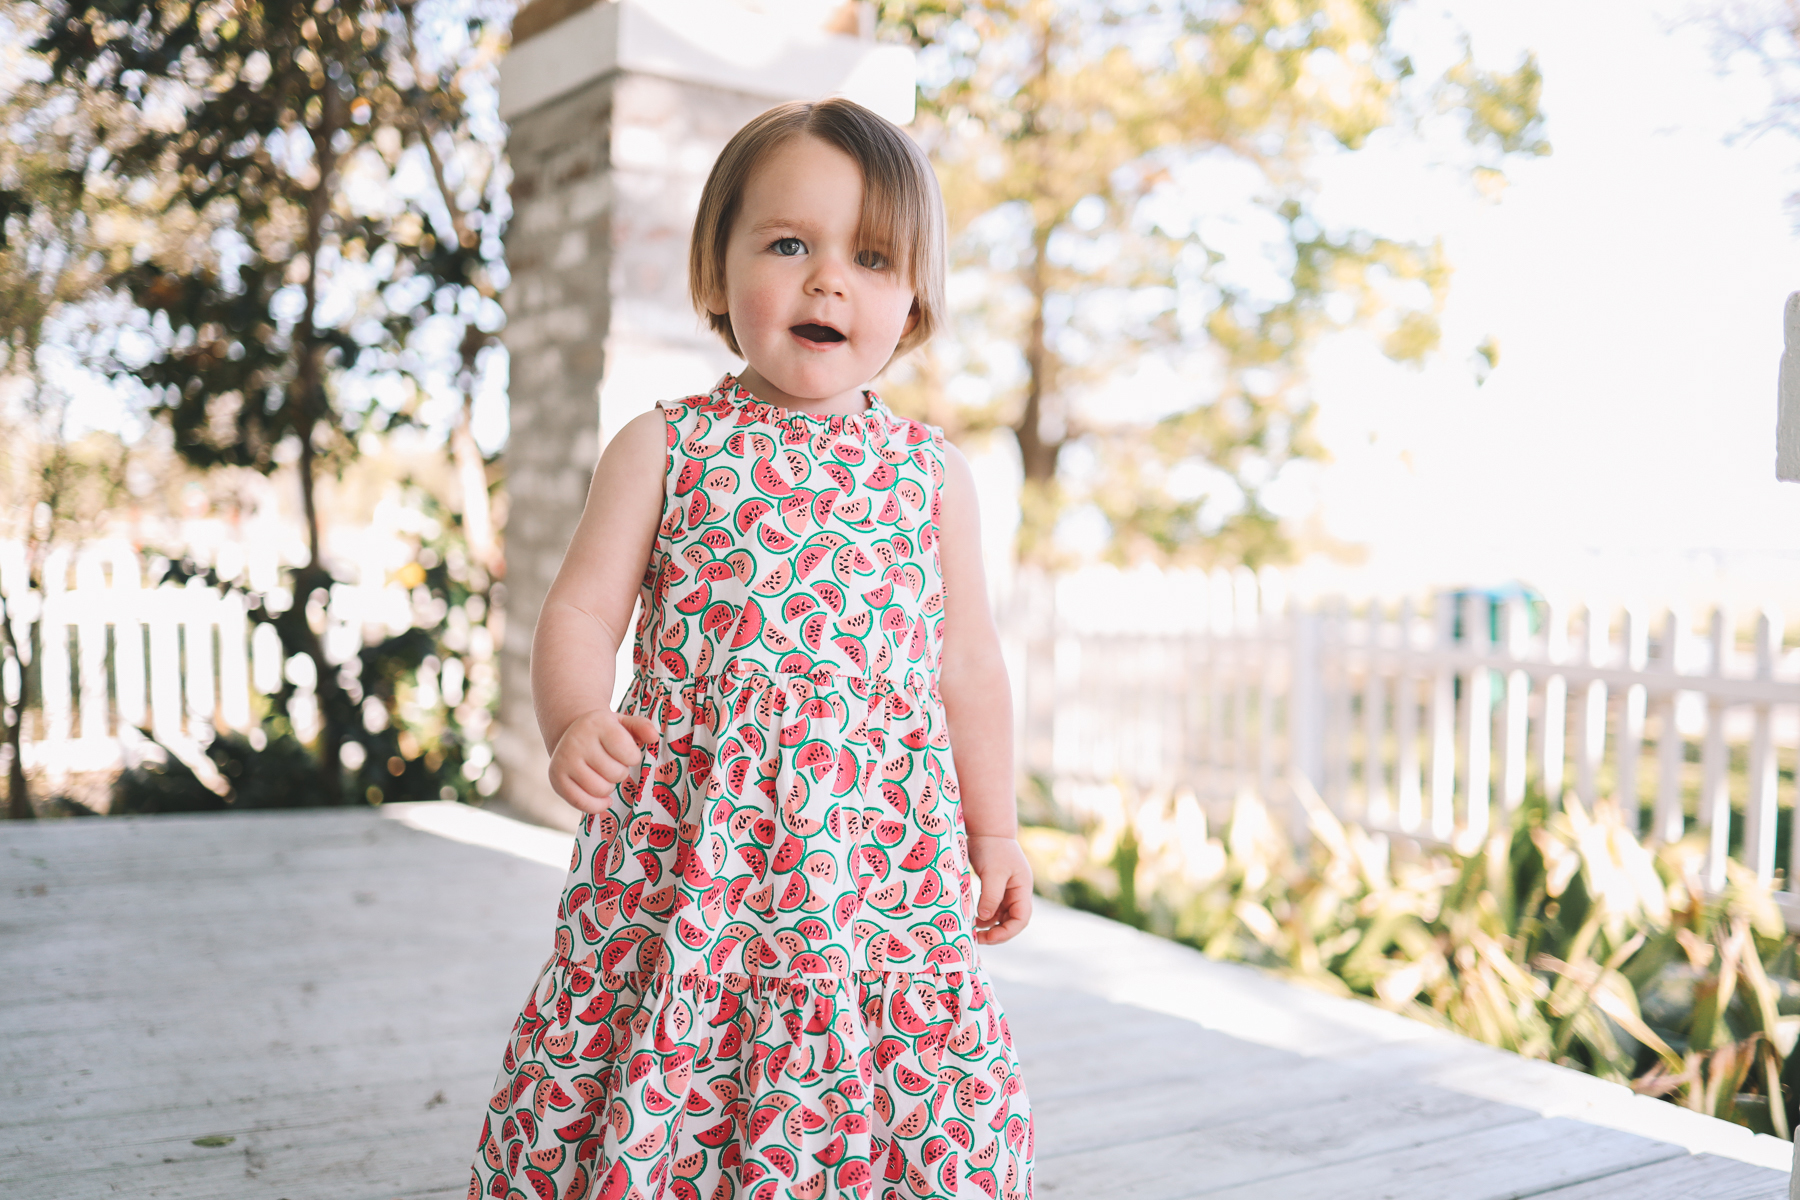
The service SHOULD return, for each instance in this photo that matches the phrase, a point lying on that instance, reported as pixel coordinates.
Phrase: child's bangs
(902, 215)
(890, 223)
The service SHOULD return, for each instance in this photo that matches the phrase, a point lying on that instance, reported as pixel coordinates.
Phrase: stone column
(617, 111)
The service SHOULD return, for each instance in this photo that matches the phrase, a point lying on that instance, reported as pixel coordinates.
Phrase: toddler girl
(765, 982)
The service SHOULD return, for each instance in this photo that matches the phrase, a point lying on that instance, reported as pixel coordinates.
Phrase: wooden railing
(113, 656)
(1414, 721)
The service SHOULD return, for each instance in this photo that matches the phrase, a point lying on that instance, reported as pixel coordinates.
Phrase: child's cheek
(756, 315)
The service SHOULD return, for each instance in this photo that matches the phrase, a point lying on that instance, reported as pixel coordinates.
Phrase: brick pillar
(617, 111)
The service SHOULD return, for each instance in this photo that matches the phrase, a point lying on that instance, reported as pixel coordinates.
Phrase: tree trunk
(310, 581)
(471, 469)
(309, 408)
(18, 795)
(1041, 430)
(1037, 523)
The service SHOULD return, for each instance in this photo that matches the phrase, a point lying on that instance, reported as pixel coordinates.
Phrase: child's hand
(598, 750)
(1005, 877)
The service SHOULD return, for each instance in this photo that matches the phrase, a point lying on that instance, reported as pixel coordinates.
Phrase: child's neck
(851, 401)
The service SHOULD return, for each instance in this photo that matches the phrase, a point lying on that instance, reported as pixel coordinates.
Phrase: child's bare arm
(978, 704)
(585, 617)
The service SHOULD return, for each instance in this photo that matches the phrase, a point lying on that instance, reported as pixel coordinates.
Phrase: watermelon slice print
(776, 896)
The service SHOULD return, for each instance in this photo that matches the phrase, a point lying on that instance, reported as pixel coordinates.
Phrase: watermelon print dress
(765, 984)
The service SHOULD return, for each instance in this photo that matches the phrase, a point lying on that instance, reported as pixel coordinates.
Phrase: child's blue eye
(787, 247)
(874, 260)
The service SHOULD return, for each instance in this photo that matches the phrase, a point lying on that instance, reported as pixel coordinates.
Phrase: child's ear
(912, 318)
(715, 303)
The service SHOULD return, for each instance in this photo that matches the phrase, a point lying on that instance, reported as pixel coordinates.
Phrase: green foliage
(284, 274)
(270, 770)
(278, 773)
(1565, 939)
(53, 488)
(280, 106)
(169, 786)
(1080, 147)
(415, 751)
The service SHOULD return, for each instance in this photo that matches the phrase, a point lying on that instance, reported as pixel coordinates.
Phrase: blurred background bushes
(1565, 938)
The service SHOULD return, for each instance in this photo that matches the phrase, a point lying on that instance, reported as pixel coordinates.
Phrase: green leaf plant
(1561, 937)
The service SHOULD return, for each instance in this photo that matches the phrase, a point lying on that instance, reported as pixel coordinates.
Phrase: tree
(52, 253)
(1075, 142)
(1767, 34)
(294, 272)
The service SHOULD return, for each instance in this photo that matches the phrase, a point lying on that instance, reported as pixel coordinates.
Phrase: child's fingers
(998, 885)
(589, 779)
(642, 729)
(622, 747)
(575, 795)
(1013, 911)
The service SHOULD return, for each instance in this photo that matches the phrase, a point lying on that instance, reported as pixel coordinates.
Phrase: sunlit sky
(1634, 281)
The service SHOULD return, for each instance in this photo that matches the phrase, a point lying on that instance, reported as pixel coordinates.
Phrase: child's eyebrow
(774, 223)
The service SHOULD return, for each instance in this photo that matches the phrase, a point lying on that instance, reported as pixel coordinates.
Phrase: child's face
(816, 314)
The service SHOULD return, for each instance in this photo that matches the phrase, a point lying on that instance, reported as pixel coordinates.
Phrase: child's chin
(817, 381)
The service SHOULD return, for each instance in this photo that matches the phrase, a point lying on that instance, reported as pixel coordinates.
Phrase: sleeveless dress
(765, 983)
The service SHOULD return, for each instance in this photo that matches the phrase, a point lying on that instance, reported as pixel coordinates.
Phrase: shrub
(1562, 937)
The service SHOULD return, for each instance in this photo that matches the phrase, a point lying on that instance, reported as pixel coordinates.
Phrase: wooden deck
(311, 1006)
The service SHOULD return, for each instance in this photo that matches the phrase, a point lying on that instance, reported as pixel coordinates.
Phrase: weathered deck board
(1691, 1177)
(1501, 1162)
(308, 983)
(1264, 1146)
(332, 990)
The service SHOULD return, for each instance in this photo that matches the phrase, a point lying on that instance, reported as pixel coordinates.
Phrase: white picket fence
(1215, 683)
(1212, 683)
(117, 656)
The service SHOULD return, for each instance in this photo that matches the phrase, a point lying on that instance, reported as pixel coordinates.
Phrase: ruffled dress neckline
(730, 391)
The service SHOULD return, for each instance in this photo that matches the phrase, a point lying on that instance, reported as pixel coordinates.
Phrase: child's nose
(827, 278)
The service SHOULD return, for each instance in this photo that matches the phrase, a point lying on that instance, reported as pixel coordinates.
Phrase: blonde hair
(902, 208)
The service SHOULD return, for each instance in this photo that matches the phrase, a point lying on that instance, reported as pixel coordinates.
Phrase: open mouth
(817, 333)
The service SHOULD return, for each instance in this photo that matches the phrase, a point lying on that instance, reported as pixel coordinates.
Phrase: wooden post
(1715, 788)
(1443, 722)
(234, 667)
(1306, 730)
(265, 659)
(1337, 707)
(1667, 824)
(1377, 807)
(1635, 639)
(91, 621)
(1270, 624)
(1556, 702)
(1218, 603)
(165, 663)
(1592, 746)
(1517, 632)
(1787, 421)
(1759, 811)
(1478, 719)
(1409, 795)
(127, 601)
(1243, 658)
(198, 633)
(53, 669)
